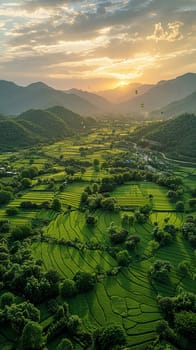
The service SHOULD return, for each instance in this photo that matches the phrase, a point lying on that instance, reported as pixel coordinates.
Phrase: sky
(96, 45)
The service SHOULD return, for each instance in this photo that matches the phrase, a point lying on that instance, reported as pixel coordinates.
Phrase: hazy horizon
(96, 45)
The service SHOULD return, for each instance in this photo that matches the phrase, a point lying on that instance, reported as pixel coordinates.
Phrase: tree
(85, 281)
(180, 206)
(96, 164)
(192, 202)
(26, 182)
(6, 299)
(132, 241)
(110, 337)
(19, 314)
(108, 204)
(166, 306)
(12, 211)
(185, 324)
(172, 195)
(65, 344)
(117, 237)
(68, 288)
(125, 220)
(123, 258)
(84, 197)
(60, 313)
(162, 328)
(70, 170)
(4, 226)
(91, 220)
(52, 276)
(162, 237)
(32, 336)
(160, 270)
(30, 172)
(21, 232)
(153, 246)
(56, 205)
(164, 331)
(5, 197)
(73, 324)
(95, 188)
(184, 267)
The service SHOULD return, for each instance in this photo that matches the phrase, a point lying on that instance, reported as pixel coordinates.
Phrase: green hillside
(14, 134)
(175, 136)
(40, 126)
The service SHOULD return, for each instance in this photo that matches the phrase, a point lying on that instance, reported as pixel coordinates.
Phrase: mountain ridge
(38, 126)
(185, 105)
(15, 99)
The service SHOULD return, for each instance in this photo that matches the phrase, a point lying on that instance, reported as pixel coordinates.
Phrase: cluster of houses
(7, 172)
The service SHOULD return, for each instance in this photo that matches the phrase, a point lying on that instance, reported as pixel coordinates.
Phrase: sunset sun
(122, 83)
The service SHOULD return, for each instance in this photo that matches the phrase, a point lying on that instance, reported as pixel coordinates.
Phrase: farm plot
(126, 299)
(71, 194)
(59, 176)
(137, 194)
(67, 260)
(72, 226)
(92, 175)
(66, 149)
(159, 200)
(130, 195)
(33, 196)
(22, 218)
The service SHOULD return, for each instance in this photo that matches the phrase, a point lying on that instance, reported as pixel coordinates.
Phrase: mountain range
(167, 98)
(162, 94)
(185, 105)
(16, 99)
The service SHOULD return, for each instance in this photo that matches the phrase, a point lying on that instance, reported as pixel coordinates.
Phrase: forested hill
(176, 137)
(36, 126)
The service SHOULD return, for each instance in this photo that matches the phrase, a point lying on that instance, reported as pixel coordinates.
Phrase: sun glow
(122, 83)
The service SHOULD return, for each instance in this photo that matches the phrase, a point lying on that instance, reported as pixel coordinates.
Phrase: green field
(135, 194)
(67, 244)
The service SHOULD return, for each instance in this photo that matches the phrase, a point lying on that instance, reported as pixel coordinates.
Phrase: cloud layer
(96, 44)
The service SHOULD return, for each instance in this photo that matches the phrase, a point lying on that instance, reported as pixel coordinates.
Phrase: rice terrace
(97, 242)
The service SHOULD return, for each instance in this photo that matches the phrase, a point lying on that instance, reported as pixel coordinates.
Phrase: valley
(94, 204)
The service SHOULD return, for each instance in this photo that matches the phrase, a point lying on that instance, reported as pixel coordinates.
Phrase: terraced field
(128, 298)
(67, 244)
(33, 196)
(130, 196)
(136, 194)
(71, 194)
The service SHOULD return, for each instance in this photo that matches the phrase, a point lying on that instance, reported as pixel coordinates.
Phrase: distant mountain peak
(5, 83)
(189, 74)
(38, 84)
